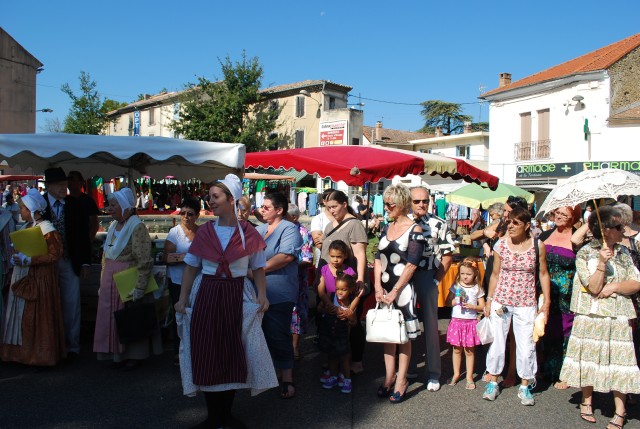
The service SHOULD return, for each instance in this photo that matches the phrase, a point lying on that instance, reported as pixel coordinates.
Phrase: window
(299, 139)
(524, 151)
(299, 106)
(332, 103)
(274, 105)
(463, 151)
(542, 148)
(152, 116)
(355, 141)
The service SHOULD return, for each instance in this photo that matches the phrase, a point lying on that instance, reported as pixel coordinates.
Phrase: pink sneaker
(325, 376)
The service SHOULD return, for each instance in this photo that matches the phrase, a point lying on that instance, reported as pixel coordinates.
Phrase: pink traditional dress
(123, 249)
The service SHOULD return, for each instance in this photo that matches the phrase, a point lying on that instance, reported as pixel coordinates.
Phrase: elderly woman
(33, 332)
(561, 263)
(600, 354)
(346, 227)
(398, 256)
(300, 314)
(218, 313)
(176, 247)
(512, 296)
(283, 245)
(127, 245)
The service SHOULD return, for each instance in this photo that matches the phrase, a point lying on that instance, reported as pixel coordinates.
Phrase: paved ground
(89, 394)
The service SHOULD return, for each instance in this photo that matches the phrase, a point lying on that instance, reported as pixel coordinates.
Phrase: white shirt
(179, 238)
(469, 295)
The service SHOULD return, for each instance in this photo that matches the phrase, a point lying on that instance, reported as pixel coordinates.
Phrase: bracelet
(489, 298)
(396, 288)
(601, 270)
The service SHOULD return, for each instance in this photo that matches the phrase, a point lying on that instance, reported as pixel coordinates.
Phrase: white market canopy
(134, 157)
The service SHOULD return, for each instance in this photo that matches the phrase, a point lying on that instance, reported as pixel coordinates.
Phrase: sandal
(285, 393)
(384, 391)
(471, 385)
(561, 385)
(587, 417)
(613, 422)
(398, 397)
(453, 381)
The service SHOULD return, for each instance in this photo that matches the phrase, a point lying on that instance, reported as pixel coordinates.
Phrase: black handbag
(135, 321)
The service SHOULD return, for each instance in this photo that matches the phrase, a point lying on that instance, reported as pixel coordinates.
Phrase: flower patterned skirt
(600, 353)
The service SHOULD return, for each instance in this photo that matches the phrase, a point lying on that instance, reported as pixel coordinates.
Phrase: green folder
(29, 241)
(126, 280)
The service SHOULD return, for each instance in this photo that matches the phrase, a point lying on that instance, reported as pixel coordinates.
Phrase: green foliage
(480, 126)
(88, 112)
(230, 110)
(448, 116)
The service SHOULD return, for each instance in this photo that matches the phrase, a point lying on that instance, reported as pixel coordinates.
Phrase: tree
(230, 110)
(51, 126)
(448, 116)
(88, 112)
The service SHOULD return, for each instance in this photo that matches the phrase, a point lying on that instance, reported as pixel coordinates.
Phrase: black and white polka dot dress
(394, 256)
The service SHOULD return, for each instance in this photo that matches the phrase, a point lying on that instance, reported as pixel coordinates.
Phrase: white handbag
(385, 324)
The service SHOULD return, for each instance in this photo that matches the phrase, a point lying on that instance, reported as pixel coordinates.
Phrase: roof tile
(600, 59)
(394, 136)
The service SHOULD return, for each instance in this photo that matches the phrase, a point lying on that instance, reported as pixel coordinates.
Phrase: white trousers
(523, 318)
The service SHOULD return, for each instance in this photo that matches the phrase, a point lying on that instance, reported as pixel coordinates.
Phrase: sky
(394, 54)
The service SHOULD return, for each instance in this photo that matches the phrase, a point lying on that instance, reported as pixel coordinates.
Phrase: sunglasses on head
(188, 214)
(420, 201)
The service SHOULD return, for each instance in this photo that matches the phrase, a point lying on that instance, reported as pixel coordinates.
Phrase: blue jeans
(69, 284)
(276, 325)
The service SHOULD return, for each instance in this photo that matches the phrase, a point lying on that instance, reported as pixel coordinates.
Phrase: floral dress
(561, 264)
(300, 313)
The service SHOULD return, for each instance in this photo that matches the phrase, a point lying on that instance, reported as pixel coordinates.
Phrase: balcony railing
(537, 149)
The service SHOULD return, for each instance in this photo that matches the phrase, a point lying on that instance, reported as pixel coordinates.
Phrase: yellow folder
(126, 280)
(29, 241)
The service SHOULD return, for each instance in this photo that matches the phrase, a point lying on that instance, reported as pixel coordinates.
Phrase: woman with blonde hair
(399, 253)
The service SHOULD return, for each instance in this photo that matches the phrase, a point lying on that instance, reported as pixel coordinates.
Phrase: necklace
(518, 247)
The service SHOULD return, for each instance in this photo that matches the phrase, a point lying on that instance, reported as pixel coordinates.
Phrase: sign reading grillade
(333, 133)
(567, 169)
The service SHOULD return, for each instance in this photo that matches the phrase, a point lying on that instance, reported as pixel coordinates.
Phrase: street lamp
(46, 110)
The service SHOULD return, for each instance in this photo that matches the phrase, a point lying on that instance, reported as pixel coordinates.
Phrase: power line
(403, 103)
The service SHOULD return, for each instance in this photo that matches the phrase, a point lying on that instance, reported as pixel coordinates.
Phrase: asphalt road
(89, 394)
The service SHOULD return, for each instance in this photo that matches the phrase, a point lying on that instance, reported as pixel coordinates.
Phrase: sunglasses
(390, 205)
(187, 214)
(266, 207)
(416, 202)
(619, 227)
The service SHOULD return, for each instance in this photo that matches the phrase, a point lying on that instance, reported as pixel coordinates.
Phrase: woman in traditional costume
(127, 245)
(219, 313)
(33, 331)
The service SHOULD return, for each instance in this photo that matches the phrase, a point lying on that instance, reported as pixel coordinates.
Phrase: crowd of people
(244, 293)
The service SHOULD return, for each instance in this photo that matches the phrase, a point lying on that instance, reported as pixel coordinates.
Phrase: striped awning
(297, 175)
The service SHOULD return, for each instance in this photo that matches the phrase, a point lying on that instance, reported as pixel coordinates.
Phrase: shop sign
(568, 169)
(333, 133)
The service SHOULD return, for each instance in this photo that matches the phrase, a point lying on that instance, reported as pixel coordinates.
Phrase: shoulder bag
(385, 324)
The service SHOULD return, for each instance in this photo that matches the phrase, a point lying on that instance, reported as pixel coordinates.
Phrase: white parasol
(592, 185)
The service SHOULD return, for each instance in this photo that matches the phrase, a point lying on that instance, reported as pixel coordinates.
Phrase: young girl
(467, 299)
(337, 308)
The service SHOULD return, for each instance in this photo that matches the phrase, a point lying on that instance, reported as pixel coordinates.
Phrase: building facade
(18, 70)
(579, 115)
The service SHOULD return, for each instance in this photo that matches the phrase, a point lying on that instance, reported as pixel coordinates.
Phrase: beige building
(307, 107)
(18, 69)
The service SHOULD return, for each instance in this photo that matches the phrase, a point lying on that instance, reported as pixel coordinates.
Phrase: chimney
(467, 127)
(505, 79)
(378, 132)
(146, 96)
(438, 131)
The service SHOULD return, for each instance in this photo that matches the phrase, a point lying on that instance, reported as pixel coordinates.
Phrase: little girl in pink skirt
(467, 299)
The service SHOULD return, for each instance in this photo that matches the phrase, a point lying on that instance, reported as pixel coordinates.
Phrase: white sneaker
(433, 385)
(491, 391)
(526, 398)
